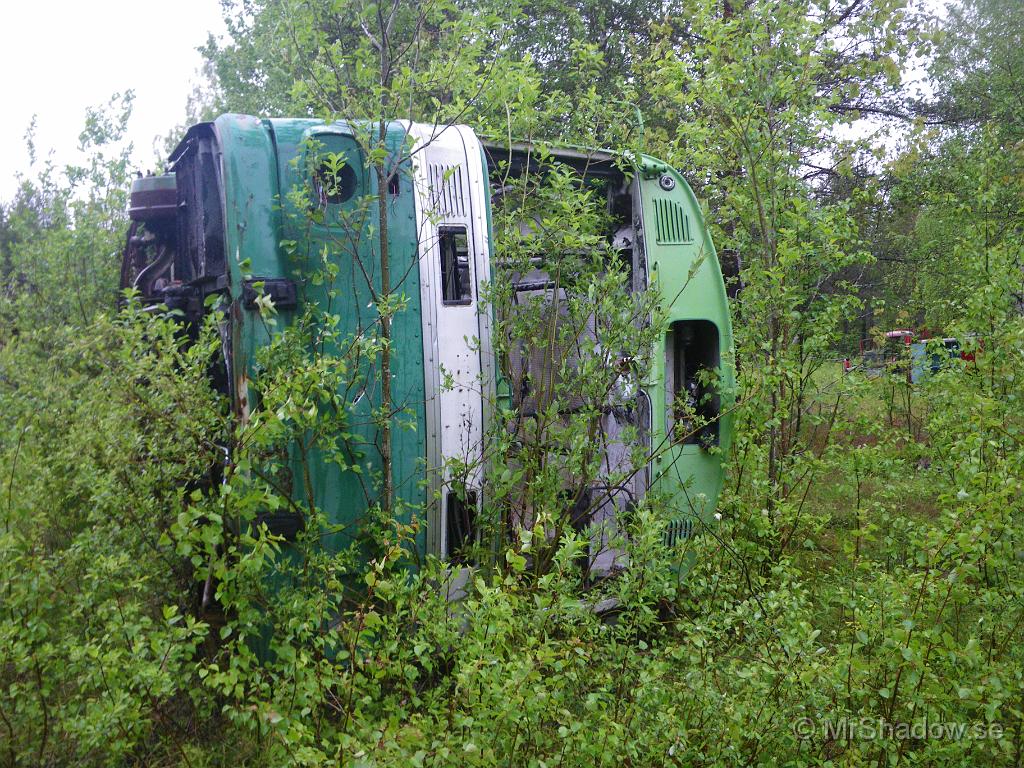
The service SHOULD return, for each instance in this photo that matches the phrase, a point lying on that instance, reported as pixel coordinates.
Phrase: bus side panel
(688, 463)
(289, 152)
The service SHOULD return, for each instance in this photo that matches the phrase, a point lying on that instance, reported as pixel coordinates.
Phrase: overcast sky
(58, 57)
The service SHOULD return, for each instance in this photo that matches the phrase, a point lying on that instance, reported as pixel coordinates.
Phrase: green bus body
(231, 225)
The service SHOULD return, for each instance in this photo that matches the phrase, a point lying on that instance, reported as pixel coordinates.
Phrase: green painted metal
(688, 474)
(263, 161)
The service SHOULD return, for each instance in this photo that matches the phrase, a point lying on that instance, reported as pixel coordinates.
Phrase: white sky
(58, 57)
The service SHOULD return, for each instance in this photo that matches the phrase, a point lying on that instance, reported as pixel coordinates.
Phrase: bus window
(460, 520)
(453, 243)
(692, 402)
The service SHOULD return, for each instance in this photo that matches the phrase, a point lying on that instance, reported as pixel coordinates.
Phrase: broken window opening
(461, 525)
(536, 370)
(692, 403)
(334, 183)
(456, 285)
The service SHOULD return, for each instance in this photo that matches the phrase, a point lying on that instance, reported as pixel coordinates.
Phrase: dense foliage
(860, 600)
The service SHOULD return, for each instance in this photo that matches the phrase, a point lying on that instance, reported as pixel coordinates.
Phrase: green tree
(761, 94)
(68, 230)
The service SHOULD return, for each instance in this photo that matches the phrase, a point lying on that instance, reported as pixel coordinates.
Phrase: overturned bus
(216, 230)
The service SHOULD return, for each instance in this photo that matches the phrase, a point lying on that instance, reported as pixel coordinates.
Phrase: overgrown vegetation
(860, 600)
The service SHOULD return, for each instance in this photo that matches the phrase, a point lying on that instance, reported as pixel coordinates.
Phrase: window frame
(452, 279)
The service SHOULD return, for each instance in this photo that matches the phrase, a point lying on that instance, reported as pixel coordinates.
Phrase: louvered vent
(672, 223)
(678, 530)
(446, 193)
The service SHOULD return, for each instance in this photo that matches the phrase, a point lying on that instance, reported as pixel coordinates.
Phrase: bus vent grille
(673, 225)
(678, 530)
(447, 196)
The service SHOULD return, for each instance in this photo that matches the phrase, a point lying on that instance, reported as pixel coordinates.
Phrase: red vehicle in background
(892, 351)
(904, 351)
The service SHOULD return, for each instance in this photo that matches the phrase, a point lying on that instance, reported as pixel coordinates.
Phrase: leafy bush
(106, 430)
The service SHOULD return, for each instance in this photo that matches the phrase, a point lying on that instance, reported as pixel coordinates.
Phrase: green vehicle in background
(224, 226)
